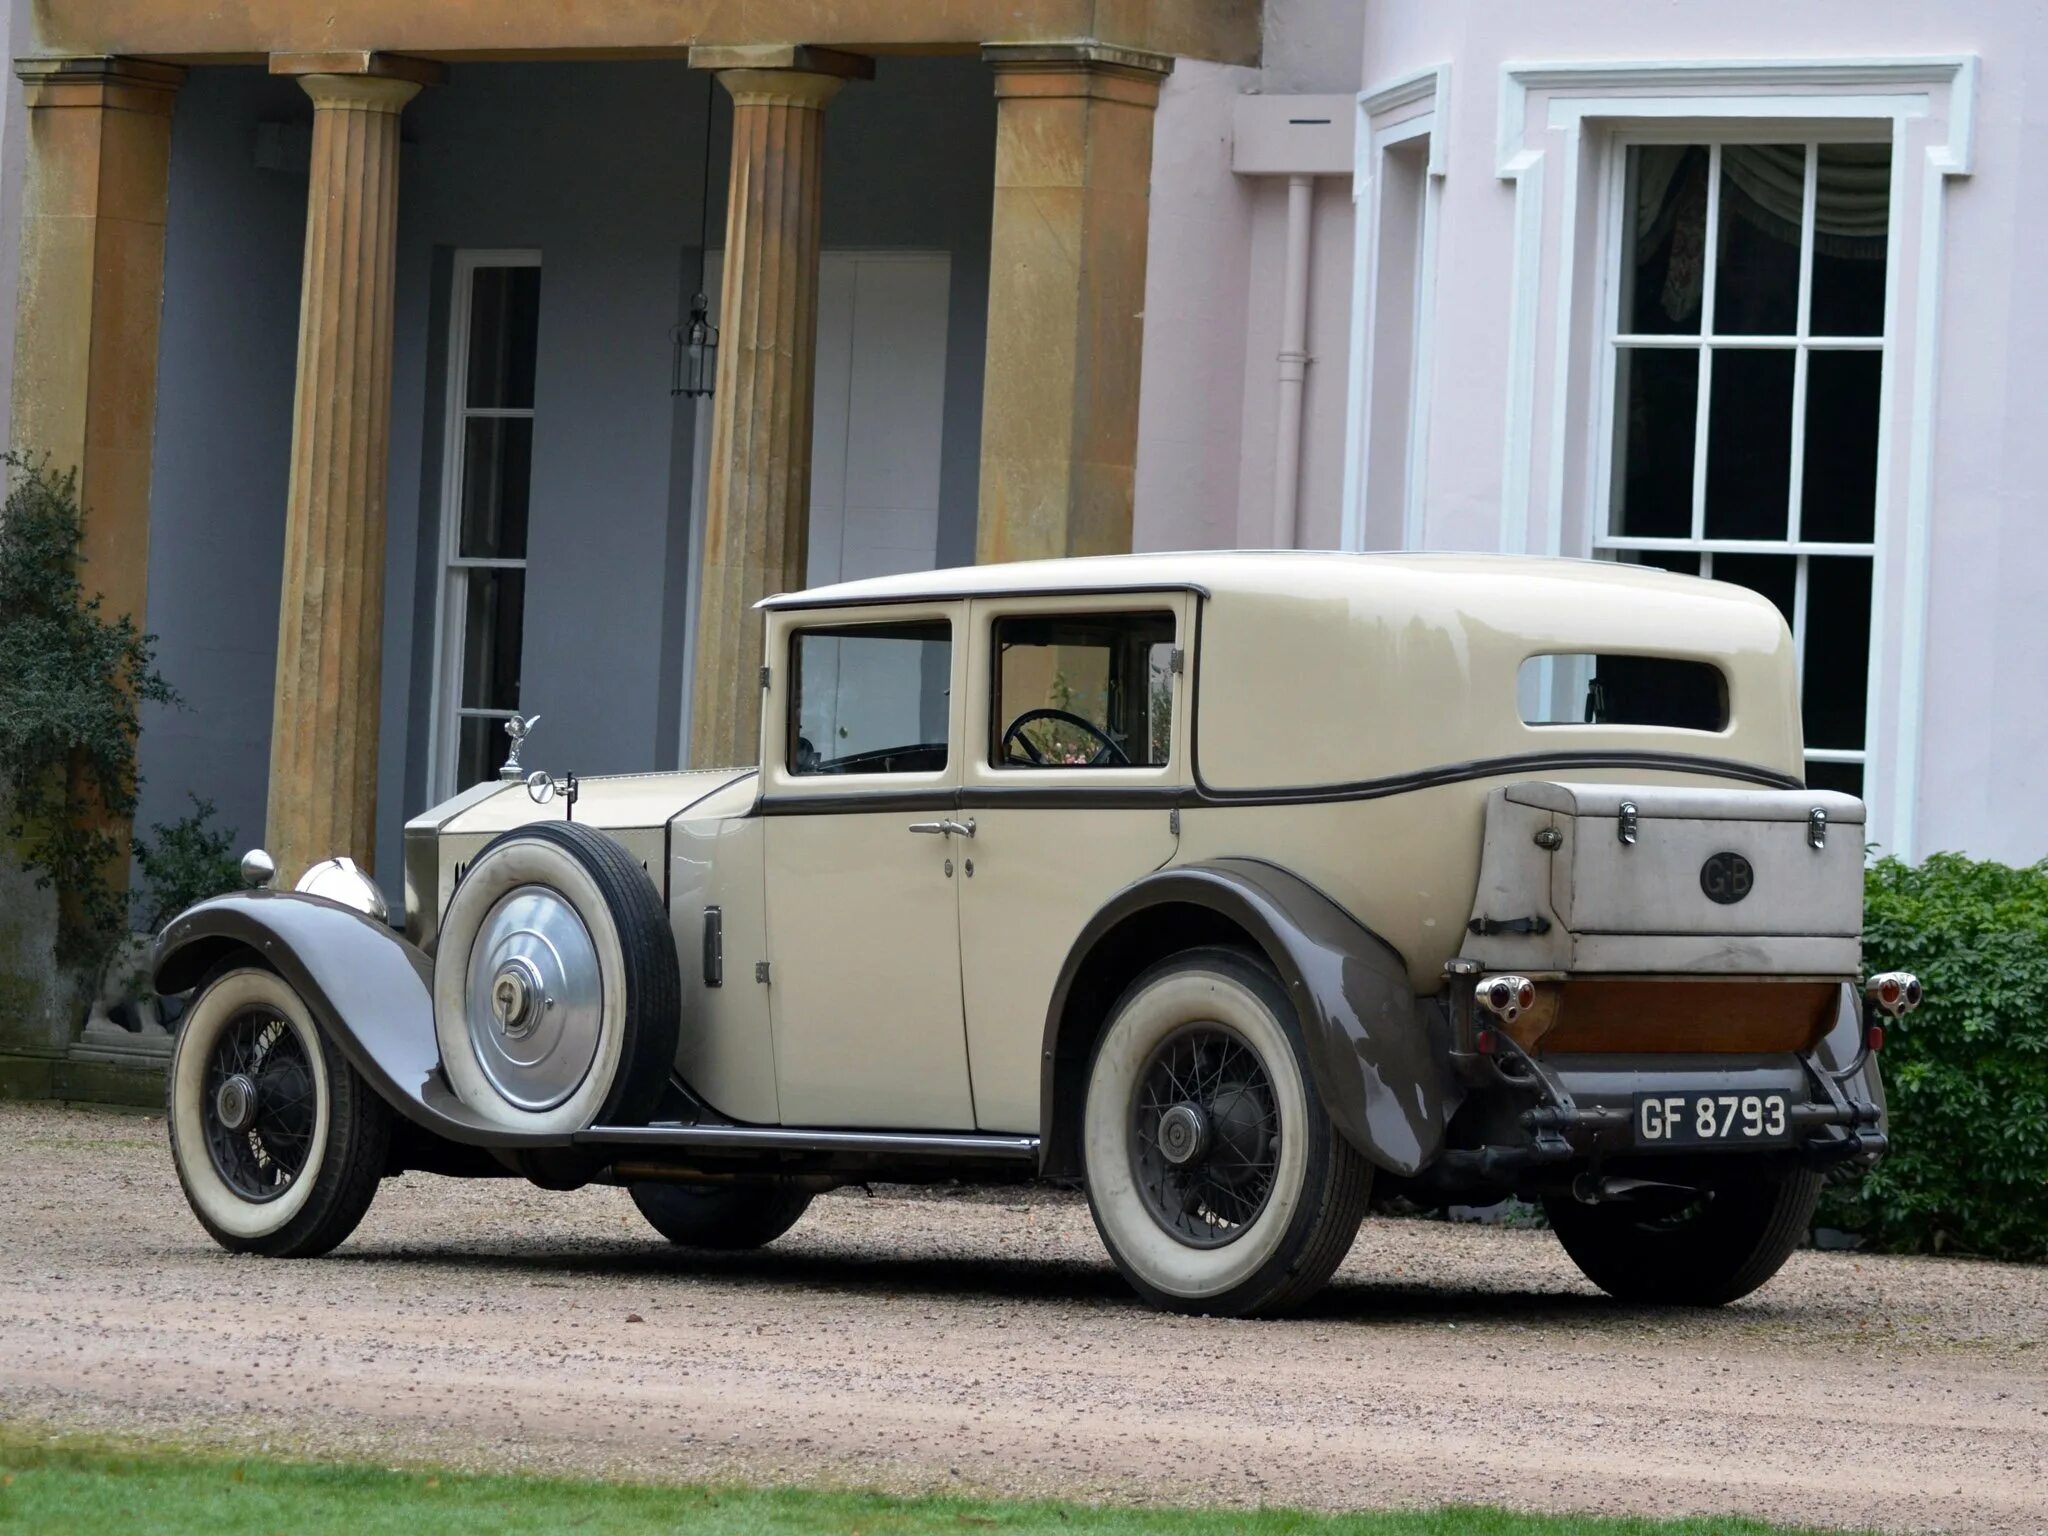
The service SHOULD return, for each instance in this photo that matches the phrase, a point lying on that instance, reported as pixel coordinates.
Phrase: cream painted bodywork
(904, 992)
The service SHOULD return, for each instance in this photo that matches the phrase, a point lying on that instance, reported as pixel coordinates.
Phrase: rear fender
(1369, 1051)
(370, 990)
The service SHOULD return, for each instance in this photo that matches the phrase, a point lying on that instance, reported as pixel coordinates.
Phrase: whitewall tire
(279, 1144)
(556, 989)
(1214, 1174)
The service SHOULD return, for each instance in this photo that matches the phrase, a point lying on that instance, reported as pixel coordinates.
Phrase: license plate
(1712, 1119)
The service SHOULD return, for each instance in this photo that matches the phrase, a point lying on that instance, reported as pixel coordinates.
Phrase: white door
(877, 422)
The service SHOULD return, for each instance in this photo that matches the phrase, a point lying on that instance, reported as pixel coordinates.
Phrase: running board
(758, 1138)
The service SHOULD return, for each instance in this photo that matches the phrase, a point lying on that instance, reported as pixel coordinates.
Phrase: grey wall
(599, 167)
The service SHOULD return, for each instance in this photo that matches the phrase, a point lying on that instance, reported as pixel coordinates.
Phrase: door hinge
(1173, 821)
(714, 947)
(761, 972)
(766, 672)
(1176, 660)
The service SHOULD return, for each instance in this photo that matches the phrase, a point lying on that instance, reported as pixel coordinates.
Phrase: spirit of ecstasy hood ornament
(518, 729)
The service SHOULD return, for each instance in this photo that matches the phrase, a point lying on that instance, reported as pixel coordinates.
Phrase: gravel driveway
(986, 1344)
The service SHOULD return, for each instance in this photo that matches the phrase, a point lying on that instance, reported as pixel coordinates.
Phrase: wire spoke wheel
(260, 1105)
(1205, 1135)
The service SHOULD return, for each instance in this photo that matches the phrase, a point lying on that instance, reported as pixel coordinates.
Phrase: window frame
(980, 702)
(779, 703)
(1606, 448)
(992, 718)
(451, 585)
(1551, 117)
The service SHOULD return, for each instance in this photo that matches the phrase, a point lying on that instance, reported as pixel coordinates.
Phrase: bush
(71, 680)
(1967, 1075)
(185, 861)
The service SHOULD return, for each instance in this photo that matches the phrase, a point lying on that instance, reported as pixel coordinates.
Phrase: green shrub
(184, 861)
(1967, 1075)
(71, 681)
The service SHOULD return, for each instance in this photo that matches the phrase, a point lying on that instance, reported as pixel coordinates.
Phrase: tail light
(1505, 997)
(1893, 993)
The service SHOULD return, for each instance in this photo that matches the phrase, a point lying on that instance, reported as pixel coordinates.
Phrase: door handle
(947, 828)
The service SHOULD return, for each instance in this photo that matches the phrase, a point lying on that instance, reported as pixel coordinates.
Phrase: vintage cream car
(1243, 889)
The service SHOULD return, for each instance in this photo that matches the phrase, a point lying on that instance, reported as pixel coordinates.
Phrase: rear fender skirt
(1370, 1055)
(370, 990)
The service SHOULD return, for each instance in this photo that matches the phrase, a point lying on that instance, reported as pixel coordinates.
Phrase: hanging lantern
(696, 352)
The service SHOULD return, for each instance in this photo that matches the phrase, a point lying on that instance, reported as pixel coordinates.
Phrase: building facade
(368, 330)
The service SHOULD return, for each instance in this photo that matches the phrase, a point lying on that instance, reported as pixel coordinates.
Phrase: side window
(1090, 690)
(870, 698)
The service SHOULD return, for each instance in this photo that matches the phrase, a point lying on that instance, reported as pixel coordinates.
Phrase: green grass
(75, 1488)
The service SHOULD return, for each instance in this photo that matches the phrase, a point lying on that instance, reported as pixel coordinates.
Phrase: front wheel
(722, 1216)
(1715, 1248)
(1216, 1179)
(278, 1143)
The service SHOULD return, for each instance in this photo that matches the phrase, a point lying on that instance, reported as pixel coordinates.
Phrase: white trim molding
(1397, 111)
(1719, 96)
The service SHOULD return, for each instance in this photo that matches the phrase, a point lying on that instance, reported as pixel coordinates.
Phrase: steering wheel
(1109, 754)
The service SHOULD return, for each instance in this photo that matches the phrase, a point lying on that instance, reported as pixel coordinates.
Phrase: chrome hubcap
(1183, 1133)
(235, 1102)
(535, 998)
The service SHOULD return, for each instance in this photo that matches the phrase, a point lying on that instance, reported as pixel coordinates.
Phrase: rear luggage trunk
(1653, 880)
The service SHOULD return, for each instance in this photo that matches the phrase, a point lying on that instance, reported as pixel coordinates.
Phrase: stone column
(91, 294)
(323, 734)
(1059, 415)
(758, 503)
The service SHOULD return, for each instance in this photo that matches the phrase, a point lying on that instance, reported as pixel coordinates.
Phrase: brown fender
(1368, 1049)
(369, 989)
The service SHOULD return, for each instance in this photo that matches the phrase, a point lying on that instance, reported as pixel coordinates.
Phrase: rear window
(1584, 688)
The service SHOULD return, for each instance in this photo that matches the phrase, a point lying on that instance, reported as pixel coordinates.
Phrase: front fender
(1368, 1050)
(369, 989)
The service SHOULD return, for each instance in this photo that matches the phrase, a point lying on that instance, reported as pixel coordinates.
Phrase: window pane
(1658, 390)
(1838, 497)
(497, 468)
(492, 628)
(1083, 691)
(1749, 444)
(480, 749)
(1847, 777)
(1775, 576)
(870, 698)
(1837, 677)
(1852, 219)
(1665, 223)
(1756, 280)
(1588, 689)
(504, 322)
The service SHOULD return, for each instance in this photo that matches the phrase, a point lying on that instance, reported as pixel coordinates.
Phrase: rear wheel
(1216, 1179)
(278, 1143)
(1716, 1247)
(728, 1216)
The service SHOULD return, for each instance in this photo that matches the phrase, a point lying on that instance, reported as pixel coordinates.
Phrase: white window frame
(1391, 114)
(1699, 100)
(444, 735)
(1705, 342)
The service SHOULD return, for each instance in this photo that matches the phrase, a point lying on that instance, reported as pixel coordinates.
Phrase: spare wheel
(557, 997)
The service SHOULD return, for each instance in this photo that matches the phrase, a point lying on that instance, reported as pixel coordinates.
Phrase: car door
(860, 771)
(1061, 821)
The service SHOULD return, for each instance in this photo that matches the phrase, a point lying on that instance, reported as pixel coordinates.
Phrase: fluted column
(758, 503)
(323, 741)
(1066, 299)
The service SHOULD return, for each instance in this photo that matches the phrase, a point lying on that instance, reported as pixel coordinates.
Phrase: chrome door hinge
(766, 673)
(1625, 824)
(761, 972)
(1173, 821)
(1176, 660)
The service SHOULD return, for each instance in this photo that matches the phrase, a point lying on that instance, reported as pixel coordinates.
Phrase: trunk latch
(1816, 828)
(1625, 824)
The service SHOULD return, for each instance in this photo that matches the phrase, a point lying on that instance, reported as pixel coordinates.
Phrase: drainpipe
(1294, 360)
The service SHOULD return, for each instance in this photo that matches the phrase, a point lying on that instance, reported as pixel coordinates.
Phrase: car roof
(1217, 571)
